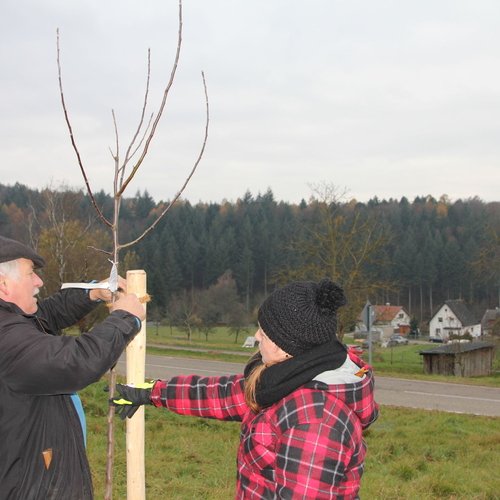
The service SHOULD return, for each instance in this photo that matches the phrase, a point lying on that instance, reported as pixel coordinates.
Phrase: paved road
(457, 398)
(478, 400)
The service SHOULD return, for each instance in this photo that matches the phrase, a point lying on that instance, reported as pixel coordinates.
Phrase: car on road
(397, 340)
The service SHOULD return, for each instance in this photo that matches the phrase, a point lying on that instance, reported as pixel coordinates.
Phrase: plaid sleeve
(360, 398)
(221, 398)
(320, 457)
(365, 407)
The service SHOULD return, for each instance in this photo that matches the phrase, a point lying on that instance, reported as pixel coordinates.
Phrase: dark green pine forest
(214, 262)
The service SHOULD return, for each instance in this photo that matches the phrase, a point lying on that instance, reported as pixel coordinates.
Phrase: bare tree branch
(120, 183)
(130, 154)
(188, 178)
(106, 252)
(115, 155)
(162, 106)
(141, 121)
(140, 142)
(73, 143)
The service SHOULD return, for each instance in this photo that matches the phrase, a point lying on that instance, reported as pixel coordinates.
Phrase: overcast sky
(380, 98)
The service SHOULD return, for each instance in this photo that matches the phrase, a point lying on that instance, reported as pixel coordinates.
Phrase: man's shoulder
(13, 321)
(11, 324)
(9, 316)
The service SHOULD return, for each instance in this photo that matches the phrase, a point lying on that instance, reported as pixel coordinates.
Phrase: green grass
(209, 354)
(186, 458)
(220, 338)
(412, 454)
(422, 454)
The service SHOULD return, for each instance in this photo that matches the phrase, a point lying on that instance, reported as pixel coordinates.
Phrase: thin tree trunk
(421, 291)
(108, 492)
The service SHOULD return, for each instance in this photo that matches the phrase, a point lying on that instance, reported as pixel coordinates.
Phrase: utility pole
(368, 320)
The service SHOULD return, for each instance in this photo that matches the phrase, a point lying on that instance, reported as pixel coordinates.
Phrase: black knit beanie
(12, 250)
(302, 315)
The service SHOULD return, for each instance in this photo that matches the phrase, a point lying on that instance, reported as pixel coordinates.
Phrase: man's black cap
(12, 250)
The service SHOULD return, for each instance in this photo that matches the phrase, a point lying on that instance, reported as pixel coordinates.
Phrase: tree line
(412, 253)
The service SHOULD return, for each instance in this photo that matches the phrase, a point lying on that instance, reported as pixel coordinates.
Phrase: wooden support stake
(136, 366)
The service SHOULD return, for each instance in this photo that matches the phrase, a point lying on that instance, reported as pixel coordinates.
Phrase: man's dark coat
(42, 453)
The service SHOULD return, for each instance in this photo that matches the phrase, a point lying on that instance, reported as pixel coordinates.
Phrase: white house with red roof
(389, 319)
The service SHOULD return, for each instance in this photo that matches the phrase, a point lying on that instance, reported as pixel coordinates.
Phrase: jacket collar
(11, 307)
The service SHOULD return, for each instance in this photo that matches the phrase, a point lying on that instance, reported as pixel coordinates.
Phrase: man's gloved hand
(130, 397)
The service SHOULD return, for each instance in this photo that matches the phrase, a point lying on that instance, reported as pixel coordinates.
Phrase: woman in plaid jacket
(303, 400)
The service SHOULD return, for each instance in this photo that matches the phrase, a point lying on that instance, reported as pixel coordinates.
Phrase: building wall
(439, 364)
(460, 364)
(444, 323)
(401, 318)
(474, 363)
(436, 326)
(475, 330)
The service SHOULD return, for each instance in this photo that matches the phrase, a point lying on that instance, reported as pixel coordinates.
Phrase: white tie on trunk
(111, 284)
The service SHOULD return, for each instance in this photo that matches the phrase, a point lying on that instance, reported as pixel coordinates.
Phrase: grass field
(412, 454)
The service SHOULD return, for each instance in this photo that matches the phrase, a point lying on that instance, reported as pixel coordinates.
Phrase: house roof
(462, 312)
(386, 313)
(491, 315)
(458, 347)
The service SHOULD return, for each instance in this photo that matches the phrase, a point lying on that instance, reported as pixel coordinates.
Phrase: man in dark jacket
(42, 454)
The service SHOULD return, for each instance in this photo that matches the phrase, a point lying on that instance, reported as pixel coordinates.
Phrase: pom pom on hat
(329, 297)
(302, 315)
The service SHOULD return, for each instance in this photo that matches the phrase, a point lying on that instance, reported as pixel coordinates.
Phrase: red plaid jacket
(307, 445)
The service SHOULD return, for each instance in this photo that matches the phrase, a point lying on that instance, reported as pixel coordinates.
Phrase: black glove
(131, 397)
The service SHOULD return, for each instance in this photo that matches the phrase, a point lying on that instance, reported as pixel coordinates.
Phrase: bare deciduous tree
(125, 168)
(66, 238)
(342, 245)
(184, 312)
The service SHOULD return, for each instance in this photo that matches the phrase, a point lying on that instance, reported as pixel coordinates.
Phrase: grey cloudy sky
(384, 98)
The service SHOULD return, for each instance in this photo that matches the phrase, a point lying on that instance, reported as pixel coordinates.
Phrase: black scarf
(280, 379)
